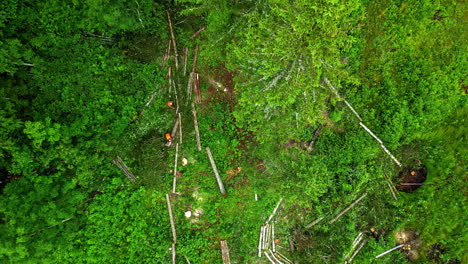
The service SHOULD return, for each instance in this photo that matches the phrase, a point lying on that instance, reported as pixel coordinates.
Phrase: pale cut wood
(274, 210)
(171, 218)
(173, 41)
(175, 169)
(274, 257)
(347, 209)
(260, 241)
(273, 237)
(225, 252)
(268, 257)
(370, 132)
(173, 254)
(215, 170)
(390, 250)
(391, 155)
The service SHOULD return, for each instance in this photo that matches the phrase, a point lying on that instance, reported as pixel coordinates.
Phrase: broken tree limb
(314, 222)
(175, 169)
(171, 218)
(347, 209)
(357, 251)
(198, 32)
(225, 252)
(215, 170)
(173, 41)
(390, 250)
(274, 210)
(312, 142)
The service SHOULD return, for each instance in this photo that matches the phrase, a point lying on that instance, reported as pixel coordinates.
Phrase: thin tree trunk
(260, 241)
(175, 169)
(390, 250)
(347, 209)
(173, 41)
(180, 129)
(173, 253)
(314, 222)
(215, 170)
(357, 251)
(225, 252)
(312, 142)
(198, 32)
(197, 132)
(171, 218)
(268, 257)
(184, 58)
(274, 210)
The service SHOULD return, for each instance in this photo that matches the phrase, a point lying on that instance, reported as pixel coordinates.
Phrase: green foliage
(75, 78)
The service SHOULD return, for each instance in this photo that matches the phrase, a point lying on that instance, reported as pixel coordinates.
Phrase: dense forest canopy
(352, 114)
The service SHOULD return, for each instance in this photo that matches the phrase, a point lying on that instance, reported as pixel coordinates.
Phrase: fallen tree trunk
(197, 132)
(225, 252)
(312, 142)
(347, 209)
(215, 170)
(198, 32)
(173, 41)
(171, 219)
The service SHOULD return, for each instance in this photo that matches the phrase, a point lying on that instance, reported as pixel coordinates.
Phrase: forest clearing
(217, 131)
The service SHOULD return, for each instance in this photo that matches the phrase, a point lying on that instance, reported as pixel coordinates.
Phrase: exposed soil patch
(220, 88)
(411, 178)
